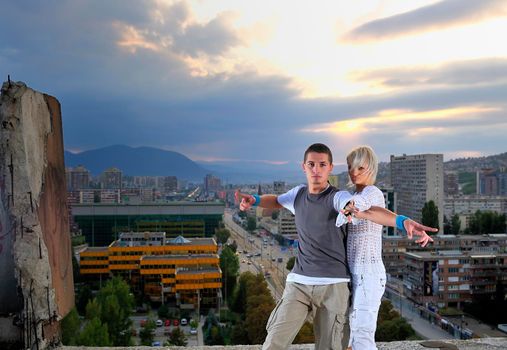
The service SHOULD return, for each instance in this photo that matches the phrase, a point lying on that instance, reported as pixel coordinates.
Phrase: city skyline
(259, 82)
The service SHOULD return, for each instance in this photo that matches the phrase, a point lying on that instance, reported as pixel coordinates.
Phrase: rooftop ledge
(471, 344)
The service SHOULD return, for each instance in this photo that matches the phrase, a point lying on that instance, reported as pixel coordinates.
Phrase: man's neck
(316, 189)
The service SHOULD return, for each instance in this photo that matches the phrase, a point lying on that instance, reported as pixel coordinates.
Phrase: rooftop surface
(472, 344)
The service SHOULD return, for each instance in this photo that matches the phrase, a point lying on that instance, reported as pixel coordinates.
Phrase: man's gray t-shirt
(322, 245)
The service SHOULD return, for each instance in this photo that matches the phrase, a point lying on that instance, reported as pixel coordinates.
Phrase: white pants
(367, 291)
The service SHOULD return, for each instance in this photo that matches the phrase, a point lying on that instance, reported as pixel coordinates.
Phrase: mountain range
(149, 161)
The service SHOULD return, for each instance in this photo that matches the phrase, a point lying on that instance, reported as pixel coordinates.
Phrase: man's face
(317, 169)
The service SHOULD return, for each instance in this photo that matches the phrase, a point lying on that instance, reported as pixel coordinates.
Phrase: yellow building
(179, 269)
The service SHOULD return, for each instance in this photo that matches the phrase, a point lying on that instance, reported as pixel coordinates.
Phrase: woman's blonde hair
(365, 157)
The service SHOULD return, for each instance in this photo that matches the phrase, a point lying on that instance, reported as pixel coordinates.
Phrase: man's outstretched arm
(246, 201)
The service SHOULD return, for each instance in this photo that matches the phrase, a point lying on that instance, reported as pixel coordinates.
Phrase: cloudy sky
(261, 80)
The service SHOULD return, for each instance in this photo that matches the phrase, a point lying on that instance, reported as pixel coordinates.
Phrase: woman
(364, 252)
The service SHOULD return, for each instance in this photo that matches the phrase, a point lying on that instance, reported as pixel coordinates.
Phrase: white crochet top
(364, 239)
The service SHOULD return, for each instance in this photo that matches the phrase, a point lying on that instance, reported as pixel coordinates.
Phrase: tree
(430, 214)
(390, 325)
(240, 294)
(305, 335)
(255, 322)
(84, 295)
(447, 226)
(93, 309)
(259, 304)
(233, 246)
(386, 312)
(70, 327)
(116, 303)
(222, 235)
(290, 263)
(229, 264)
(396, 329)
(239, 335)
(94, 334)
(147, 333)
(487, 222)
(455, 224)
(212, 330)
(163, 311)
(177, 337)
(193, 324)
(251, 224)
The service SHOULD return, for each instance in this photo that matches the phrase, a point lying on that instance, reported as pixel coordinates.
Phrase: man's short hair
(319, 148)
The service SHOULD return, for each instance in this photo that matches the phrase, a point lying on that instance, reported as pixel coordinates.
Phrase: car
(273, 259)
(183, 322)
(156, 343)
(193, 330)
(243, 261)
(167, 323)
(280, 259)
(249, 262)
(258, 254)
(159, 323)
(176, 323)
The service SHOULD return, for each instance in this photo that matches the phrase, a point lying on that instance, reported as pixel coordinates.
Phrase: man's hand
(245, 200)
(416, 229)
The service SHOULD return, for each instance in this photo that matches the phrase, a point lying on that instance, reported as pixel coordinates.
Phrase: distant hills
(137, 161)
(472, 164)
(149, 161)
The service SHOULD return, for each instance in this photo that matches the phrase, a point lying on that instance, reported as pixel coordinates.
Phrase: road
(263, 263)
(422, 326)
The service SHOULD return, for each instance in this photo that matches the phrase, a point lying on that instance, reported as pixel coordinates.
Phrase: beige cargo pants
(327, 305)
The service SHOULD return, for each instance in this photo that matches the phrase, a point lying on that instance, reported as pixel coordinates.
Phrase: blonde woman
(364, 252)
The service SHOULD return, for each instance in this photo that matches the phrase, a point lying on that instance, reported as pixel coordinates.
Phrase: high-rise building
(211, 184)
(78, 178)
(451, 187)
(417, 179)
(170, 184)
(111, 178)
(491, 182)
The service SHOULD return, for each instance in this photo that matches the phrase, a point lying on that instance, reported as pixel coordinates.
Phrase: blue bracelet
(400, 219)
(257, 200)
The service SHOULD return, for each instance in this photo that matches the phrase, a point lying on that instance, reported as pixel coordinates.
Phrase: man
(318, 284)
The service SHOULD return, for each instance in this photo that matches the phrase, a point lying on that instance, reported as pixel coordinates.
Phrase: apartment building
(452, 278)
(176, 270)
(418, 179)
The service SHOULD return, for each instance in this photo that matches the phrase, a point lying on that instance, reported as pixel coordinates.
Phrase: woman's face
(359, 175)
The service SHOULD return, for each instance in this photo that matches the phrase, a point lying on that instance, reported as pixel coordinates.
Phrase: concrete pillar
(35, 250)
